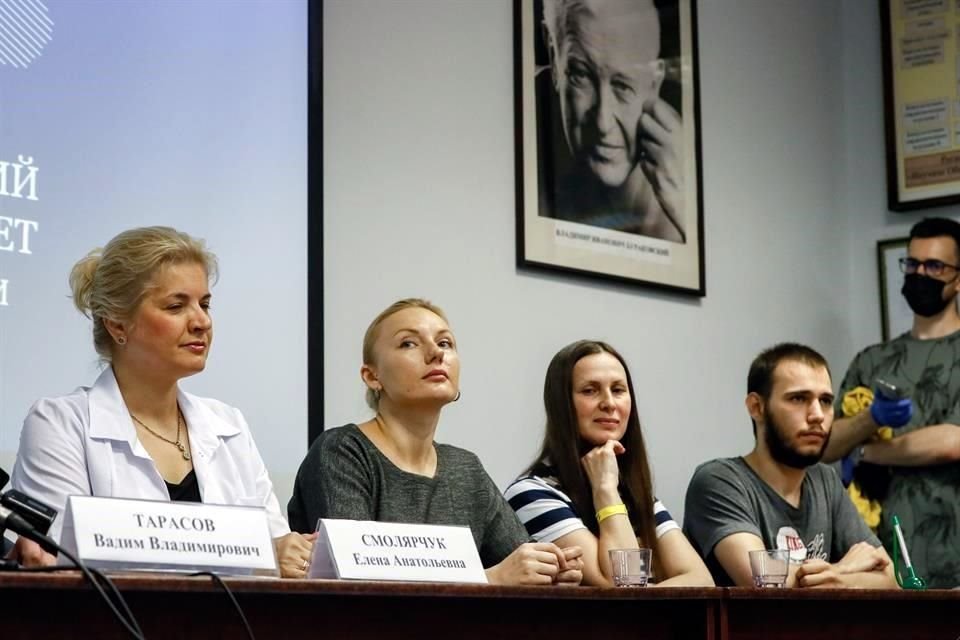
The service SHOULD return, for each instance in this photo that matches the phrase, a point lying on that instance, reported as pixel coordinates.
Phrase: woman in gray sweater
(390, 469)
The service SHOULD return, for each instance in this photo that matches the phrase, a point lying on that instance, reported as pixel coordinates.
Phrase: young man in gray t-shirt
(778, 496)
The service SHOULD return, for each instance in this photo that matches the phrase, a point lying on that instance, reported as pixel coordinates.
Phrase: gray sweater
(345, 476)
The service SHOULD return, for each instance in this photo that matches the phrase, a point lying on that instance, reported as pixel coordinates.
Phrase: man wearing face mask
(924, 365)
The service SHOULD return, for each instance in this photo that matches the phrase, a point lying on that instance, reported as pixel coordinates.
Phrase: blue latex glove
(847, 467)
(888, 412)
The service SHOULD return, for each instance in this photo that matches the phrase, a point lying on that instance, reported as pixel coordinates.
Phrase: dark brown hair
(937, 227)
(563, 446)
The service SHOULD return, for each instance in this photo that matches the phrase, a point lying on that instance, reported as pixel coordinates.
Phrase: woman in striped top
(591, 484)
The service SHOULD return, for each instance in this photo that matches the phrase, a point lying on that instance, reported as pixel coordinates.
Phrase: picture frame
(315, 214)
(895, 314)
(921, 103)
(608, 158)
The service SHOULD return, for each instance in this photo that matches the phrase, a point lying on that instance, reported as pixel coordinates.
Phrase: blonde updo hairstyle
(373, 332)
(110, 283)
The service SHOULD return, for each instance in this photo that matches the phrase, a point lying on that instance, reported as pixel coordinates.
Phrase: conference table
(62, 605)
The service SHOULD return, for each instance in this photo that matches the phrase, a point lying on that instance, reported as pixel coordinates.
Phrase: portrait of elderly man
(610, 132)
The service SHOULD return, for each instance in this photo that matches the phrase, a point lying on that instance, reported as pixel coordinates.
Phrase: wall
(864, 188)
(419, 200)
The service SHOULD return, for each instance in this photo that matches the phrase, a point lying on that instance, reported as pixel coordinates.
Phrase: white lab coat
(85, 443)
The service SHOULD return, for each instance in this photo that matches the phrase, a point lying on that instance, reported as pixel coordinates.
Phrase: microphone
(39, 514)
(25, 516)
(16, 523)
(9, 519)
(30, 519)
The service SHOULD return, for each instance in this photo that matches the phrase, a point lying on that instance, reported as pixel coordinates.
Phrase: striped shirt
(548, 514)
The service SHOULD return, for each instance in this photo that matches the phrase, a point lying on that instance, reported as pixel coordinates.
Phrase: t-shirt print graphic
(789, 539)
(815, 548)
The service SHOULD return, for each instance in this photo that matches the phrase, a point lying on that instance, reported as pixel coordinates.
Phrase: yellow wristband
(612, 510)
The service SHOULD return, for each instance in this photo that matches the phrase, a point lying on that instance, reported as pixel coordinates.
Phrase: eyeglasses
(930, 267)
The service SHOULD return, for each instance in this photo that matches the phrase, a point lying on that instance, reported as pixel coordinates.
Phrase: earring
(121, 340)
(458, 396)
(376, 395)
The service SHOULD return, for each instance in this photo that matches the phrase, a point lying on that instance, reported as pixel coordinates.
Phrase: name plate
(359, 550)
(120, 533)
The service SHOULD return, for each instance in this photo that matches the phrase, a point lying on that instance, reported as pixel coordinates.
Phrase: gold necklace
(177, 443)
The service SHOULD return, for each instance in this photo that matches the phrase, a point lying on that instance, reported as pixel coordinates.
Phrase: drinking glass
(631, 567)
(770, 567)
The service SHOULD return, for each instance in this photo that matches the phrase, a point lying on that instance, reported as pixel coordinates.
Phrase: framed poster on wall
(921, 82)
(895, 314)
(608, 141)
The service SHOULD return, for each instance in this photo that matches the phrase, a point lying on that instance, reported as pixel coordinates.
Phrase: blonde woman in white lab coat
(135, 433)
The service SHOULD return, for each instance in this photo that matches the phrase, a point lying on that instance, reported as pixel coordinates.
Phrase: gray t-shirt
(726, 496)
(345, 476)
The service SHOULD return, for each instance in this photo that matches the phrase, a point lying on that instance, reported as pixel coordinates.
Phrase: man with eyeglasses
(915, 379)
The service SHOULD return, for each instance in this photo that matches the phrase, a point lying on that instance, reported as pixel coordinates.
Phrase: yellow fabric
(869, 509)
(856, 400)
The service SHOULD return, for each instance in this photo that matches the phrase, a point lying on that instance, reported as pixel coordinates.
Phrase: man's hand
(660, 135)
(930, 445)
(819, 574)
(861, 557)
(887, 412)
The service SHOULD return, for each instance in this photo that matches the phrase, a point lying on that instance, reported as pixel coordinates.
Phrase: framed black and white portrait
(608, 140)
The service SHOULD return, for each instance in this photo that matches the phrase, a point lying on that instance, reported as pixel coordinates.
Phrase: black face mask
(924, 294)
